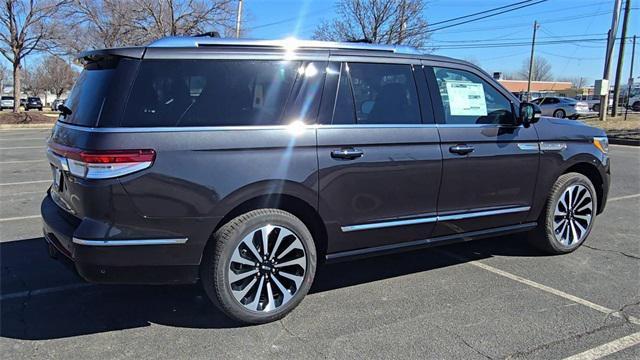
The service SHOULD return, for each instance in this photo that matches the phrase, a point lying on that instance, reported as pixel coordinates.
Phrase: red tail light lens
(103, 164)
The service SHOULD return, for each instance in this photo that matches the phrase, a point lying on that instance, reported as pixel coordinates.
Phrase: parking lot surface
(495, 298)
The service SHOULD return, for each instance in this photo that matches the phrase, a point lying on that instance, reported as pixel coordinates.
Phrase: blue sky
(559, 19)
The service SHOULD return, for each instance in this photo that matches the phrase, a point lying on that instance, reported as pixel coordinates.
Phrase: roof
(192, 43)
(521, 85)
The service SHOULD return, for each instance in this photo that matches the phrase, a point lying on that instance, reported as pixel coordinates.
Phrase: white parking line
(23, 147)
(539, 286)
(20, 218)
(25, 182)
(608, 348)
(17, 295)
(22, 161)
(624, 197)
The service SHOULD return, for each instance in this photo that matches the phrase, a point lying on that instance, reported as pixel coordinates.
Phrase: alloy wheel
(267, 268)
(573, 215)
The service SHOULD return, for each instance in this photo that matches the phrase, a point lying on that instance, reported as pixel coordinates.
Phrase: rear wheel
(636, 106)
(568, 215)
(596, 107)
(559, 114)
(259, 266)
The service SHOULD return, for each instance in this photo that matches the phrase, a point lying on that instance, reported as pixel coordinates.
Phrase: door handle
(461, 149)
(347, 154)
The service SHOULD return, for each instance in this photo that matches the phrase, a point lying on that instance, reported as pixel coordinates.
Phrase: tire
(636, 106)
(228, 254)
(555, 233)
(559, 114)
(596, 107)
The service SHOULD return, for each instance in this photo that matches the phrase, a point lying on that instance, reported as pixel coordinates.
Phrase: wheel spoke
(281, 235)
(248, 241)
(240, 294)
(580, 228)
(237, 258)
(299, 261)
(256, 301)
(294, 245)
(264, 232)
(295, 278)
(574, 233)
(271, 305)
(285, 292)
(233, 277)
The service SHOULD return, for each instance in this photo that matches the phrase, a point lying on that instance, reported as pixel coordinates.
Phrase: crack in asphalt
(299, 338)
(613, 251)
(622, 314)
(459, 337)
(26, 299)
(521, 354)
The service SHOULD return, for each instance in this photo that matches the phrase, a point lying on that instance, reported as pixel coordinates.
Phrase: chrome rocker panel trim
(136, 242)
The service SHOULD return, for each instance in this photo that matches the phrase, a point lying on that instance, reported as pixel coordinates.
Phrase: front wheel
(568, 216)
(596, 107)
(259, 266)
(559, 114)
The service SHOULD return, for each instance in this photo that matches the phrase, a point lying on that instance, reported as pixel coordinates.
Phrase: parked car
(33, 103)
(561, 107)
(6, 102)
(244, 164)
(23, 103)
(55, 103)
(634, 99)
(593, 101)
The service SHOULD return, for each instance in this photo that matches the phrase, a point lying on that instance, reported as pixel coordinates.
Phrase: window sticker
(466, 98)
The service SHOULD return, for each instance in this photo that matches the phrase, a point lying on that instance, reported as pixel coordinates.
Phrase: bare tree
(32, 84)
(578, 82)
(379, 21)
(541, 70)
(27, 26)
(55, 75)
(112, 23)
(4, 76)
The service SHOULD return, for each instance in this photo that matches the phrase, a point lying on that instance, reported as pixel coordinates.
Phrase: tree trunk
(16, 87)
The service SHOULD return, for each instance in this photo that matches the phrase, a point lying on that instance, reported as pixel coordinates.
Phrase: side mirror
(529, 114)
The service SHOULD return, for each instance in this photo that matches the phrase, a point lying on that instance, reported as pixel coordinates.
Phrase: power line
(522, 43)
(518, 38)
(479, 13)
(486, 16)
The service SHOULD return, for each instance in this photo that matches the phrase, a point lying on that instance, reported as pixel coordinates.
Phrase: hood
(550, 129)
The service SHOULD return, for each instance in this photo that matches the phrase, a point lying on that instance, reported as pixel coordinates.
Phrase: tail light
(103, 164)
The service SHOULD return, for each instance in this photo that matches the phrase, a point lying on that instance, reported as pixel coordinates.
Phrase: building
(540, 88)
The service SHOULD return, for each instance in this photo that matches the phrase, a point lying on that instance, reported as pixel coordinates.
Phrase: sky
(559, 20)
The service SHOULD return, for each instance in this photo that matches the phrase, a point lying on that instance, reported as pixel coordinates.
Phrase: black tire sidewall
(228, 240)
(560, 186)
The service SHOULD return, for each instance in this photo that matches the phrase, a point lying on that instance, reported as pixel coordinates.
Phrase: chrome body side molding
(136, 242)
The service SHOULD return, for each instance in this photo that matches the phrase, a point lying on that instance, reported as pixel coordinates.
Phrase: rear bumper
(123, 261)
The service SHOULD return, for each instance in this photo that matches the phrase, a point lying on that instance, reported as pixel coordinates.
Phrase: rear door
(378, 153)
(489, 164)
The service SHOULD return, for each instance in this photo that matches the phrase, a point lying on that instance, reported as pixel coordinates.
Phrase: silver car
(561, 107)
(6, 102)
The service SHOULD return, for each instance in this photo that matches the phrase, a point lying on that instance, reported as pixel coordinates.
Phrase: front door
(490, 165)
(379, 163)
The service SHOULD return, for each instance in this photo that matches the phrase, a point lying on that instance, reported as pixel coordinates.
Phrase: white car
(6, 102)
(593, 101)
(561, 107)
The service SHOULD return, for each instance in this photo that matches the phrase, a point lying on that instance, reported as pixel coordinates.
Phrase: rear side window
(97, 97)
(383, 93)
(468, 99)
(211, 92)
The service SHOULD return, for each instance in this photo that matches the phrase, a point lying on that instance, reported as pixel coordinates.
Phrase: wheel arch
(591, 172)
(291, 197)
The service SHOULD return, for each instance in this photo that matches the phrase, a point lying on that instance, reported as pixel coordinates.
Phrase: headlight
(602, 143)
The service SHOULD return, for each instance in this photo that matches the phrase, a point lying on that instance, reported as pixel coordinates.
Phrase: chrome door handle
(461, 149)
(347, 154)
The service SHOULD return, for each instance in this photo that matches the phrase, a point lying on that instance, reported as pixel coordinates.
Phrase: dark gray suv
(243, 164)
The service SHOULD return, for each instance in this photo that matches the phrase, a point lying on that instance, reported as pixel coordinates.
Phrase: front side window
(211, 93)
(468, 99)
(381, 94)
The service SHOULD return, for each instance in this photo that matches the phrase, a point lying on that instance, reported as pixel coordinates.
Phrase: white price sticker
(466, 98)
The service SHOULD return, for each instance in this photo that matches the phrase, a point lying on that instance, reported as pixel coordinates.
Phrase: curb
(628, 142)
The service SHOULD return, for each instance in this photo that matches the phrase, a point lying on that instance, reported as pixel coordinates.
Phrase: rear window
(98, 95)
(7, 98)
(171, 93)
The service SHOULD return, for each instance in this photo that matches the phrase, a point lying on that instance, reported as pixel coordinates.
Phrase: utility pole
(630, 84)
(623, 40)
(238, 18)
(604, 99)
(533, 45)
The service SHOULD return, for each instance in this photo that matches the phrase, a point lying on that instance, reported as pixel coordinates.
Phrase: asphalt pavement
(494, 298)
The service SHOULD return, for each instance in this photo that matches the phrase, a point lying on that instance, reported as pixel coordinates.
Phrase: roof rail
(289, 44)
